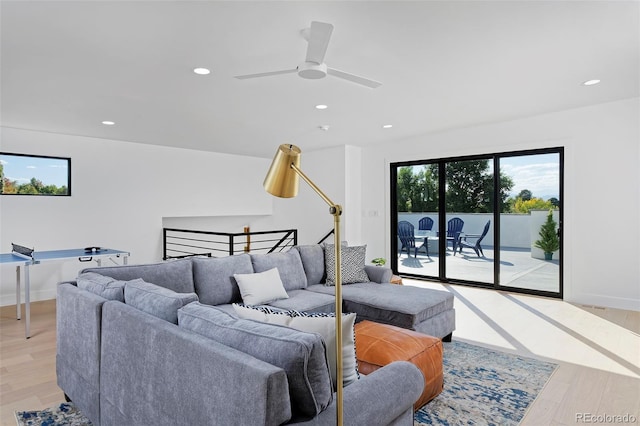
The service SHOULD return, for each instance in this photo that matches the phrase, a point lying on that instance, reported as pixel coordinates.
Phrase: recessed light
(108, 123)
(324, 127)
(591, 82)
(387, 126)
(321, 106)
(201, 71)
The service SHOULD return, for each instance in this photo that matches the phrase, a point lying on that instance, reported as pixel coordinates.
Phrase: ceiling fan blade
(354, 78)
(319, 36)
(265, 74)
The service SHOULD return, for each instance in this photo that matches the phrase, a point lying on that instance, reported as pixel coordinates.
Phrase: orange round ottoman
(380, 344)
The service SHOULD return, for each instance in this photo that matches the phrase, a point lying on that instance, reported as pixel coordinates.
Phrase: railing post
(231, 245)
(247, 247)
(164, 243)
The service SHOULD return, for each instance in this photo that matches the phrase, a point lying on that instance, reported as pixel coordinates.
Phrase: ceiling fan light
(312, 71)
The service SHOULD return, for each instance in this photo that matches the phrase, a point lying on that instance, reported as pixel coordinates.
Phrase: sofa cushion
(322, 323)
(261, 287)
(312, 257)
(289, 266)
(352, 266)
(303, 300)
(214, 281)
(103, 286)
(300, 354)
(176, 275)
(155, 300)
(400, 305)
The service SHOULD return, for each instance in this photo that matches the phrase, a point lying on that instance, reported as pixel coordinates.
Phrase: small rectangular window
(22, 174)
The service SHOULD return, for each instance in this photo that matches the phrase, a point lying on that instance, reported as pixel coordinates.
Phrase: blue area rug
(484, 387)
(64, 414)
(481, 387)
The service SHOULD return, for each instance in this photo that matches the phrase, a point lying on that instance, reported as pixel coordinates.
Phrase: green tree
(525, 194)
(403, 189)
(27, 188)
(554, 202)
(525, 206)
(549, 241)
(470, 187)
(416, 190)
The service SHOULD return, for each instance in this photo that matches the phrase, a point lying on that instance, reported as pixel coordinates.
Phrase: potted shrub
(379, 261)
(549, 241)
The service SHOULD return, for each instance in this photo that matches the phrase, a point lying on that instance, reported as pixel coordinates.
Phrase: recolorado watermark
(605, 418)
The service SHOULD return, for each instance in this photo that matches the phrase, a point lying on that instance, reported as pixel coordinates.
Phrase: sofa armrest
(378, 274)
(384, 397)
(78, 328)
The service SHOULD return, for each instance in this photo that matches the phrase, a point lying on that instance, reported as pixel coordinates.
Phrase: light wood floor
(598, 352)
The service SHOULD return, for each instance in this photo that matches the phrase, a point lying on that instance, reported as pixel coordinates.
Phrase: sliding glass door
(536, 194)
(482, 220)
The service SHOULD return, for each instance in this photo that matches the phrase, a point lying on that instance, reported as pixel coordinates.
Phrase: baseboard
(9, 299)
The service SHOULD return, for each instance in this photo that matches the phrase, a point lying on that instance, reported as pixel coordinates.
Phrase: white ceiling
(67, 66)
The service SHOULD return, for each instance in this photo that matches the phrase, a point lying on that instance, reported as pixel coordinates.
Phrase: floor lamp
(282, 181)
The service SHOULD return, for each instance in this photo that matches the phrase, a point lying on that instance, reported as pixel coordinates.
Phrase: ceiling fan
(318, 36)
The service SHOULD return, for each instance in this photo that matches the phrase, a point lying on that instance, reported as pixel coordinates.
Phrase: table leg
(18, 307)
(27, 303)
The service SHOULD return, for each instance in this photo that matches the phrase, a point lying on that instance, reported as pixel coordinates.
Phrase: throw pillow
(261, 287)
(352, 267)
(322, 323)
(155, 300)
(289, 266)
(300, 354)
(103, 286)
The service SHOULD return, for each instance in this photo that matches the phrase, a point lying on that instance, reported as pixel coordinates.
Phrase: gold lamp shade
(282, 179)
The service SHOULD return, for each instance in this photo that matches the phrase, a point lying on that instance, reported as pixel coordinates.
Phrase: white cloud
(542, 179)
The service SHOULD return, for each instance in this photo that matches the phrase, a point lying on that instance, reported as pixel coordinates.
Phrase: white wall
(120, 193)
(602, 190)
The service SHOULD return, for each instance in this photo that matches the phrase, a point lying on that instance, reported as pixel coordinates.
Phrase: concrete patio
(517, 268)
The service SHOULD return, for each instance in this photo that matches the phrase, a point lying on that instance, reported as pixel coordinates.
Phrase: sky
(51, 171)
(540, 174)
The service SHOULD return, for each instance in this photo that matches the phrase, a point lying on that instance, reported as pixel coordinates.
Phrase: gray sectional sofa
(161, 344)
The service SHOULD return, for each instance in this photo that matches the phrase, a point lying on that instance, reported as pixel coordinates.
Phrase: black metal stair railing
(180, 243)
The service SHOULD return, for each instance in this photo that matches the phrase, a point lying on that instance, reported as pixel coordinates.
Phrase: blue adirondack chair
(407, 237)
(454, 228)
(478, 237)
(425, 224)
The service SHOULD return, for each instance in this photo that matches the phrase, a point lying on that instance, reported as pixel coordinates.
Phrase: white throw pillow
(261, 287)
(323, 324)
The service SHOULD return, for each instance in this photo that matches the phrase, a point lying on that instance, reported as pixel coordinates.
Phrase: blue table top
(50, 255)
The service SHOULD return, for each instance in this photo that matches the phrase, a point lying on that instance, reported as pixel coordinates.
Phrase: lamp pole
(336, 211)
(282, 182)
